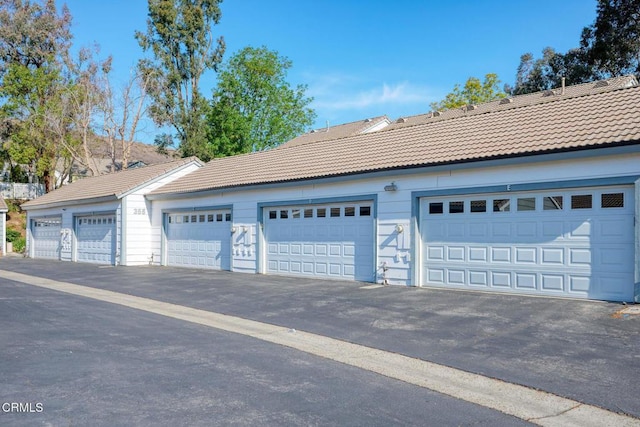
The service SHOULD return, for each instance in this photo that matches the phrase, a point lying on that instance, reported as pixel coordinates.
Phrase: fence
(12, 190)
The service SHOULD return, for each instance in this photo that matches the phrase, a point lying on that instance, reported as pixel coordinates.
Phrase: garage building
(536, 194)
(100, 220)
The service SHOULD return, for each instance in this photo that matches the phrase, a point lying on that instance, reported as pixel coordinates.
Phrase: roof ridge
(347, 123)
(537, 98)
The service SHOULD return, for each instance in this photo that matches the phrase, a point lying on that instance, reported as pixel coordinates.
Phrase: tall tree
(32, 33)
(34, 42)
(612, 42)
(253, 106)
(474, 92)
(121, 113)
(609, 47)
(180, 40)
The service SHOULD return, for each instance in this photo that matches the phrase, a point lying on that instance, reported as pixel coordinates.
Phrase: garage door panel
(201, 240)
(96, 239)
(46, 238)
(321, 240)
(500, 254)
(546, 243)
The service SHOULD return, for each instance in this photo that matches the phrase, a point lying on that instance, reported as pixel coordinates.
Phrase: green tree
(179, 38)
(34, 42)
(609, 47)
(612, 42)
(473, 92)
(253, 106)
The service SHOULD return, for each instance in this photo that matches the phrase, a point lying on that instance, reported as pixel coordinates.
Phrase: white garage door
(46, 238)
(576, 243)
(333, 240)
(199, 240)
(96, 238)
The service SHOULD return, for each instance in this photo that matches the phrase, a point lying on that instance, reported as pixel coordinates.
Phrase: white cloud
(342, 92)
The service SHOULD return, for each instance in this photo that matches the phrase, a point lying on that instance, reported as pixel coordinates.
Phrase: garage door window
(552, 203)
(527, 204)
(456, 207)
(501, 205)
(365, 210)
(582, 201)
(612, 200)
(308, 213)
(436, 208)
(478, 206)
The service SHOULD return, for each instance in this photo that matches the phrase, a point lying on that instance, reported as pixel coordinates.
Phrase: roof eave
(406, 168)
(159, 177)
(103, 199)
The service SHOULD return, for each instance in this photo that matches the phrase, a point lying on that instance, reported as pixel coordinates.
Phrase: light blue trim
(163, 238)
(32, 220)
(197, 209)
(508, 188)
(165, 224)
(391, 173)
(636, 218)
(92, 213)
(415, 270)
(316, 201)
(534, 186)
(74, 227)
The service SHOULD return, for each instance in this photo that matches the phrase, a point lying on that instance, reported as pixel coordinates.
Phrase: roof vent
(601, 83)
(471, 107)
(401, 120)
(548, 93)
(506, 101)
(436, 114)
(313, 131)
(367, 120)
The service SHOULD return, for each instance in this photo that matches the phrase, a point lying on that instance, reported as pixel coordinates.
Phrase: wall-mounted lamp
(399, 228)
(245, 229)
(391, 187)
(233, 230)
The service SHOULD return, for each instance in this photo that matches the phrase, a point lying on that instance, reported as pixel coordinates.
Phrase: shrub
(19, 244)
(13, 235)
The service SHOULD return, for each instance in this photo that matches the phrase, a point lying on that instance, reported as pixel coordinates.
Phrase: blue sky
(361, 58)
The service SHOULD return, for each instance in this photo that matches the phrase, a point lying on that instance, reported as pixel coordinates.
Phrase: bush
(13, 236)
(19, 244)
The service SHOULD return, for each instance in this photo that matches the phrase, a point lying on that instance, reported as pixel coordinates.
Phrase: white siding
(139, 248)
(393, 208)
(3, 233)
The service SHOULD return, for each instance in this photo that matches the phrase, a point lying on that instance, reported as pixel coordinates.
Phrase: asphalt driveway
(582, 350)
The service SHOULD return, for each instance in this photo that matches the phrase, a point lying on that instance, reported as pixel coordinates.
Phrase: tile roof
(519, 101)
(338, 131)
(582, 118)
(110, 185)
(3, 205)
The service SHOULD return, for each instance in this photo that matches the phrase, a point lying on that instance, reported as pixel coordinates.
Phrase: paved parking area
(581, 350)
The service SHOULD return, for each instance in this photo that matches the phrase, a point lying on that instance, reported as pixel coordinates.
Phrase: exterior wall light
(391, 187)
